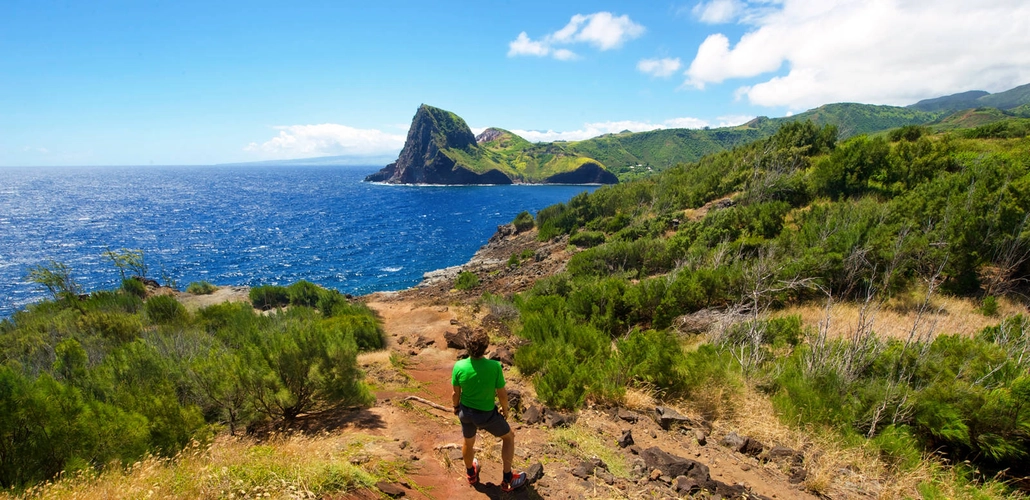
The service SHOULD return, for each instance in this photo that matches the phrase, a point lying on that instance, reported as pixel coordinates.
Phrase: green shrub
(466, 281)
(587, 239)
(135, 287)
(200, 288)
(989, 306)
(162, 309)
(523, 222)
(269, 297)
(304, 293)
(514, 261)
(304, 367)
(119, 327)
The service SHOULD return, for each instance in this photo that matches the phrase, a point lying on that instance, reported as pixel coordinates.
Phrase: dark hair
(476, 342)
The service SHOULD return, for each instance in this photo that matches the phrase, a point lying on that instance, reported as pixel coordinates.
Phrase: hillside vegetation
(883, 223)
(111, 377)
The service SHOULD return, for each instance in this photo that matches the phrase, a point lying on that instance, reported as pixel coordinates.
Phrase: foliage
(108, 379)
(466, 280)
(161, 309)
(134, 286)
(55, 277)
(523, 221)
(129, 261)
(200, 288)
(269, 297)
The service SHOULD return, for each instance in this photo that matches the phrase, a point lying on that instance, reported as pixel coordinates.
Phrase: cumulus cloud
(659, 67)
(327, 139)
(884, 52)
(595, 129)
(602, 30)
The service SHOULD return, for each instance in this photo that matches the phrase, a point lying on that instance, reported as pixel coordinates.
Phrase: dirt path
(433, 436)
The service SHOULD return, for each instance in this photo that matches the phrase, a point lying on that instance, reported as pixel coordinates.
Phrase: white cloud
(884, 51)
(718, 11)
(659, 67)
(602, 30)
(327, 139)
(595, 129)
(523, 46)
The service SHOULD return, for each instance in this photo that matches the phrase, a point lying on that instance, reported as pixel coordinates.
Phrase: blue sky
(147, 82)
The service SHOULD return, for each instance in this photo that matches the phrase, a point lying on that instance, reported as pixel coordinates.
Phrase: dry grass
(950, 316)
(291, 467)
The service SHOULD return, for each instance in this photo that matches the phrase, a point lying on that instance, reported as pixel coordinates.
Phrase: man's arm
(502, 397)
(456, 398)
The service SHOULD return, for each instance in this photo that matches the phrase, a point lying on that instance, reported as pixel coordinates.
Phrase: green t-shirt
(479, 380)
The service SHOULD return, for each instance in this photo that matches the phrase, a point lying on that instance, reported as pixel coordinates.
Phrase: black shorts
(490, 421)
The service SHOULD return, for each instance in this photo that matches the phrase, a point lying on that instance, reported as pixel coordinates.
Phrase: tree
(55, 278)
(128, 260)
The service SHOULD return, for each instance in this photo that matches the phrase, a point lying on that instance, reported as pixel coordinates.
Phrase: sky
(163, 82)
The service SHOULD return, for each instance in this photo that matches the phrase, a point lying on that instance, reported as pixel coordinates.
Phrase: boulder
(456, 340)
(674, 466)
(392, 490)
(503, 355)
(532, 415)
(733, 441)
(669, 418)
(628, 416)
(555, 420)
(752, 447)
(785, 455)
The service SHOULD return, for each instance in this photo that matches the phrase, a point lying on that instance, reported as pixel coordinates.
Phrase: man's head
(476, 342)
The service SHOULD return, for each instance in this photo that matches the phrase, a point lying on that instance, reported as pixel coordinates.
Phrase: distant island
(441, 149)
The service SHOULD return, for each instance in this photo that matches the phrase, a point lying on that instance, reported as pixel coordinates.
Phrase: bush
(162, 309)
(587, 239)
(523, 222)
(200, 288)
(115, 326)
(304, 367)
(304, 293)
(466, 281)
(269, 297)
(135, 287)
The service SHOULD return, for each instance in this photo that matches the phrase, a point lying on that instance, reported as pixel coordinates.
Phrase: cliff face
(422, 161)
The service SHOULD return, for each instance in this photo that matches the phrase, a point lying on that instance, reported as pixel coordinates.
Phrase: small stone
(626, 439)
(700, 436)
(404, 444)
(605, 476)
(535, 472)
(655, 474)
(745, 467)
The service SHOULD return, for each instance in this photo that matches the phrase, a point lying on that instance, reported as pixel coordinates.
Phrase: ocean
(245, 225)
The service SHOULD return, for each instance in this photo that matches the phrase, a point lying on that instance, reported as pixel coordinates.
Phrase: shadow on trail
(492, 490)
(327, 421)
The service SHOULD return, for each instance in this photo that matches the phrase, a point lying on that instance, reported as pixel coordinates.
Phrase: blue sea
(245, 225)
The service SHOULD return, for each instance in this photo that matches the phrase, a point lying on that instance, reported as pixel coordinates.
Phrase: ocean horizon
(246, 225)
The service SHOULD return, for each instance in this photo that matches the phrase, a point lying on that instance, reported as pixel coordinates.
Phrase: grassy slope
(519, 159)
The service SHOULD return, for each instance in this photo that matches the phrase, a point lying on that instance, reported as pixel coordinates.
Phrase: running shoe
(518, 480)
(474, 479)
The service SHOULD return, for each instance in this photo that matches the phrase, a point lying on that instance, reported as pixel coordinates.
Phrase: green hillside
(890, 223)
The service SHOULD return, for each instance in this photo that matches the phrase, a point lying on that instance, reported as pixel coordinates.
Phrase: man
(476, 380)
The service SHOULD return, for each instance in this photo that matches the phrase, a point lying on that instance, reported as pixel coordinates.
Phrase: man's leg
(507, 450)
(468, 451)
